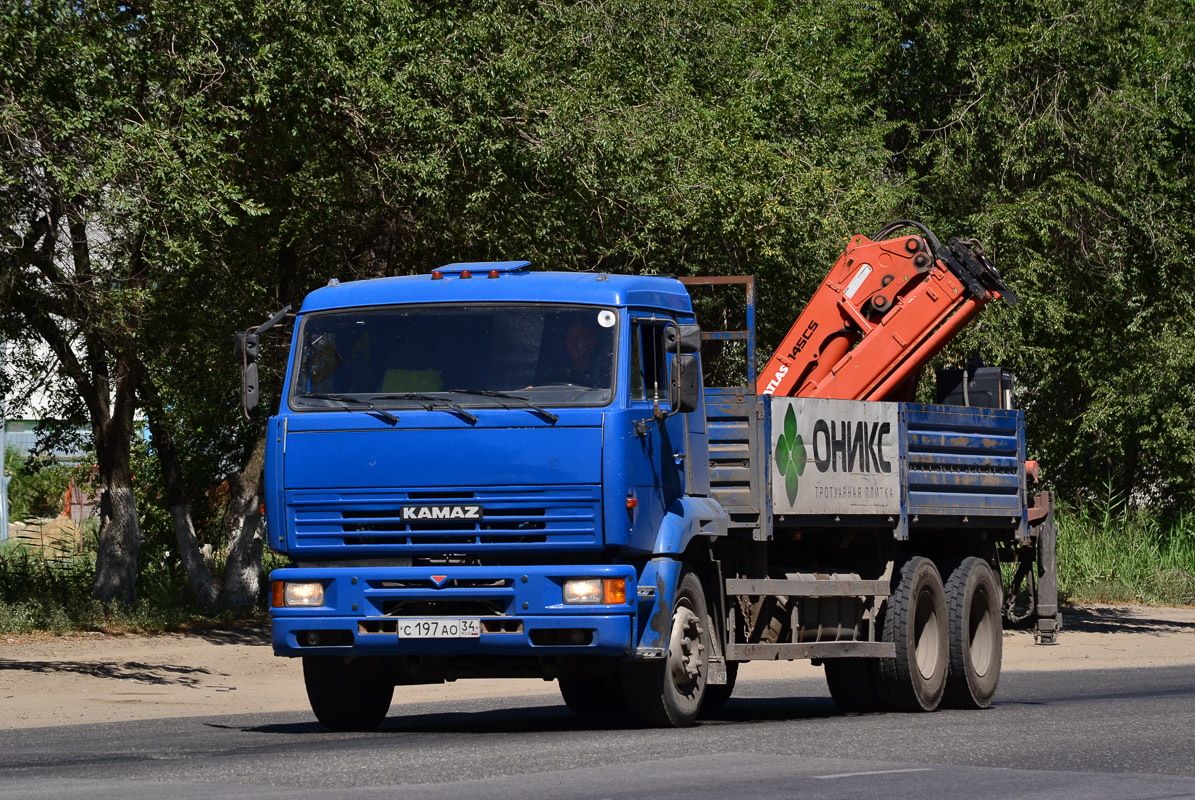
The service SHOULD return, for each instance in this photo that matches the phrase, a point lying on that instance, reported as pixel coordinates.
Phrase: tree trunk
(198, 574)
(242, 571)
(120, 532)
(119, 541)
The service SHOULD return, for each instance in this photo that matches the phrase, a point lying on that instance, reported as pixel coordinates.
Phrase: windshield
(480, 355)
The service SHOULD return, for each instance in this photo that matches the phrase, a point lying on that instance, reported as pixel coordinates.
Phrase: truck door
(659, 477)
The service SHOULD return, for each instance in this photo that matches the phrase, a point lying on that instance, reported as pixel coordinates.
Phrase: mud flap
(657, 589)
(1049, 618)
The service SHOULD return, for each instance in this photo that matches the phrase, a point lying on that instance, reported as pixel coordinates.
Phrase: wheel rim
(979, 632)
(685, 647)
(926, 636)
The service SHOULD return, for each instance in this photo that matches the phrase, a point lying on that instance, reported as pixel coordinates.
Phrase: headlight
(303, 594)
(595, 591)
(583, 592)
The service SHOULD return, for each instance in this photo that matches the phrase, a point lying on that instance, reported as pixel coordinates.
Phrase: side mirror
(246, 347)
(250, 391)
(682, 339)
(684, 383)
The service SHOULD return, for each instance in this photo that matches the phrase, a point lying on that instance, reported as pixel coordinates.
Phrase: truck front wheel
(593, 696)
(667, 693)
(347, 695)
(915, 621)
(976, 638)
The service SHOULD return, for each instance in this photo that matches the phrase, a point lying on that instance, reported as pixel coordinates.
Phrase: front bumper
(521, 610)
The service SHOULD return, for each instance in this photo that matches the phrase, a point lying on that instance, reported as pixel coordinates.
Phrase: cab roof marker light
(437, 275)
(484, 268)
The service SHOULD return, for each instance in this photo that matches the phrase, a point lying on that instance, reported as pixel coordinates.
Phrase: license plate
(439, 628)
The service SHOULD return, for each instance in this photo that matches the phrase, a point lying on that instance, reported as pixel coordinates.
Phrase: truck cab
(484, 471)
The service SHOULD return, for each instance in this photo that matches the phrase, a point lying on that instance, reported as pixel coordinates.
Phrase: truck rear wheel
(852, 684)
(915, 621)
(976, 638)
(347, 695)
(668, 693)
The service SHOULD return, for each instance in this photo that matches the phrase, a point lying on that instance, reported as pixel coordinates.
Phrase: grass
(1111, 553)
(50, 590)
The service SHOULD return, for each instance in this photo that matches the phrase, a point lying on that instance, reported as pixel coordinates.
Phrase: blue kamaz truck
(493, 471)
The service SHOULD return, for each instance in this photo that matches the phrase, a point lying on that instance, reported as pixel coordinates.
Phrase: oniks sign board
(834, 457)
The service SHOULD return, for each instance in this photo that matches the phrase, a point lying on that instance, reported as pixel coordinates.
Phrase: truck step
(791, 651)
(807, 587)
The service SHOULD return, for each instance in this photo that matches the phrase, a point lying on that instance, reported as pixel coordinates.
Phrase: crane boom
(885, 309)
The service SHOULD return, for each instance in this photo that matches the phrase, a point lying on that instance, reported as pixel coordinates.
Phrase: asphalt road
(1084, 734)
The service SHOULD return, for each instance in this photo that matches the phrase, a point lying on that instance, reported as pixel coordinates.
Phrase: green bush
(40, 592)
(51, 591)
(1109, 552)
(37, 487)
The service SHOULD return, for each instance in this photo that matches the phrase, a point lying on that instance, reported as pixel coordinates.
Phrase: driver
(580, 344)
(588, 360)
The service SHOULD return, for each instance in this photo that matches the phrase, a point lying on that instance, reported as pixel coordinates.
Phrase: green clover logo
(790, 455)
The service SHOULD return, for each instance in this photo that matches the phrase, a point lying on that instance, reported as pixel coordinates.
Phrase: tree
(110, 170)
(1061, 133)
(173, 172)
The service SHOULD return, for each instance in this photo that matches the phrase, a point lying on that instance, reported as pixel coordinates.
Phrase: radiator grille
(507, 519)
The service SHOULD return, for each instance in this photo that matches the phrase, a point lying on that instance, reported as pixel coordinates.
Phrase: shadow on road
(247, 634)
(1121, 620)
(157, 674)
(537, 719)
(558, 719)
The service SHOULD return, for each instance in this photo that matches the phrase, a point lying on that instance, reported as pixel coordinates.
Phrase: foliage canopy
(173, 171)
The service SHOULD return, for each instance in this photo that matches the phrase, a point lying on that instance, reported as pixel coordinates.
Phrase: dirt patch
(92, 677)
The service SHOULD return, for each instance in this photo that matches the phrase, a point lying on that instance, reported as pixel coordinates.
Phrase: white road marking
(876, 772)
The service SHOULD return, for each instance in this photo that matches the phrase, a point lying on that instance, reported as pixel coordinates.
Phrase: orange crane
(885, 309)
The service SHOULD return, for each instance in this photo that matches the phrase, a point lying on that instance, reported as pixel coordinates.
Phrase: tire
(976, 635)
(347, 695)
(915, 621)
(668, 693)
(593, 696)
(718, 695)
(852, 684)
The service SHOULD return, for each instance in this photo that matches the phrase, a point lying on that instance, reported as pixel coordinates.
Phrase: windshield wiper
(429, 402)
(523, 401)
(348, 398)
